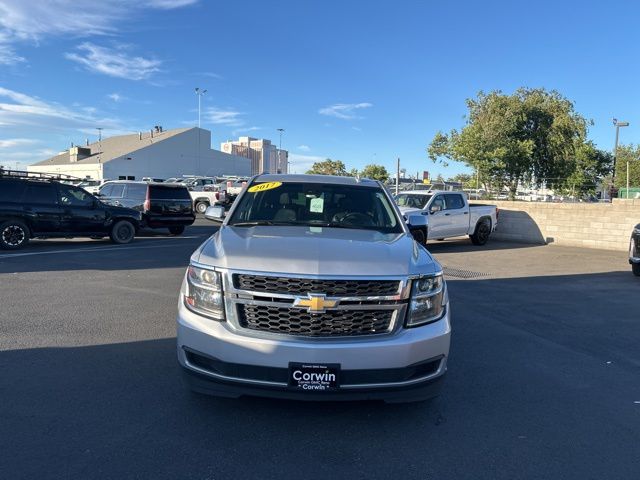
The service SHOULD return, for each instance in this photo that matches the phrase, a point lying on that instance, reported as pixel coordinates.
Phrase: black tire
(419, 236)
(201, 207)
(635, 268)
(179, 230)
(122, 232)
(482, 233)
(14, 234)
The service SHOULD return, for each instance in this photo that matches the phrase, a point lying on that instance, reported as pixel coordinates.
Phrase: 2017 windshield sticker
(264, 186)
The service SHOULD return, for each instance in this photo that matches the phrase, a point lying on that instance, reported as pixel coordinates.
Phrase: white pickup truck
(449, 214)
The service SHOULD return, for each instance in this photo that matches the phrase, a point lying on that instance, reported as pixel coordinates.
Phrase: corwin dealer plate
(314, 377)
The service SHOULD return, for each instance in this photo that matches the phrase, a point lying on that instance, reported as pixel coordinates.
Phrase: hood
(315, 251)
(406, 211)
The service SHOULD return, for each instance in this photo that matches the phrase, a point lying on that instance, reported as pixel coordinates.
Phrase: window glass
(412, 200)
(11, 191)
(439, 201)
(316, 204)
(136, 191)
(44, 193)
(117, 190)
(454, 201)
(160, 192)
(106, 190)
(74, 197)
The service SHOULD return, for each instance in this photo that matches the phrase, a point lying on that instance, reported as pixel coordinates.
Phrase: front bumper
(405, 365)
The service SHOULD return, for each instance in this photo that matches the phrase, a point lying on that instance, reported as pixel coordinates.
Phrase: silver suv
(313, 288)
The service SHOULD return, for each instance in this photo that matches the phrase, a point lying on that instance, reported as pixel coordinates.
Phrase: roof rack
(60, 177)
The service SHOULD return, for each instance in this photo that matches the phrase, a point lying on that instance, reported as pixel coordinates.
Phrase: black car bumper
(160, 222)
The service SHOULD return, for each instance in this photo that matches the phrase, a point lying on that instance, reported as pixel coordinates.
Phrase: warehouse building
(155, 154)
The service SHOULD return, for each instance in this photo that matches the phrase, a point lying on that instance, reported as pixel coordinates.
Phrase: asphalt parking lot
(542, 381)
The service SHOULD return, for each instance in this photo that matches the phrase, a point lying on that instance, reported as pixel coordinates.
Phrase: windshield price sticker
(264, 186)
(317, 205)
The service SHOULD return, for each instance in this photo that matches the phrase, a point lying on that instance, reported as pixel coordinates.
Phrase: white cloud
(302, 163)
(32, 20)
(114, 62)
(220, 116)
(116, 97)
(245, 130)
(17, 142)
(303, 148)
(345, 111)
(21, 110)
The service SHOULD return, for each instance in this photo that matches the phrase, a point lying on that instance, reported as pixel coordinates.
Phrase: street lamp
(199, 93)
(618, 124)
(281, 130)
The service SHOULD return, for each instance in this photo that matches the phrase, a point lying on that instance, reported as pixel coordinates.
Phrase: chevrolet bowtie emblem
(316, 303)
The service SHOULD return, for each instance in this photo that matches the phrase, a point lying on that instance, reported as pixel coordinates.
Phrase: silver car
(313, 288)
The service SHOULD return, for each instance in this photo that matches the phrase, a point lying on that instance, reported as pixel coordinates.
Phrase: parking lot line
(90, 249)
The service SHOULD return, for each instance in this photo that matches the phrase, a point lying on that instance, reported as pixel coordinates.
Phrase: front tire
(178, 230)
(14, 234)
(635, 268)
(201, 207)
(481, 235)
(122, 232)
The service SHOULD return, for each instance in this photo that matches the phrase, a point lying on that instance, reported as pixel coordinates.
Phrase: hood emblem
(315, 302)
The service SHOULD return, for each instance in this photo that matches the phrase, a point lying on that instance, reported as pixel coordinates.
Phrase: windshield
(316, 204)
(412, 200)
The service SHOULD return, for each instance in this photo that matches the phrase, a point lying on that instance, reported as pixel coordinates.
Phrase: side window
(11, 191)
(454, 201)
(44, 193)
(106, 190)
(136, 191)
(117, 190)
(438, 202)
(74, 197)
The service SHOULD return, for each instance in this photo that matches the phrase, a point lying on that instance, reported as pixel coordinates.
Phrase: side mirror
(435, 208)
(215, 213)
(417, 220)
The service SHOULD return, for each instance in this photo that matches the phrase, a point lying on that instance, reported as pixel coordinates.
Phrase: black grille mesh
(295, 321)
(302, 286)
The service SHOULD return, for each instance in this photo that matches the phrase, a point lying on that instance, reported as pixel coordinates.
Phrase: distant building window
(122, 177)
(131, 178)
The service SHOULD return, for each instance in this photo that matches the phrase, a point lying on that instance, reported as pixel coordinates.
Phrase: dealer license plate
(314, 377)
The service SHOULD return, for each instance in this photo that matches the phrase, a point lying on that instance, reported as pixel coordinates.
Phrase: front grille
(333, 323)
(302, 286)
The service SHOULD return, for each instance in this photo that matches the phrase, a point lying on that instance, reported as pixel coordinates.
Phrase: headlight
(204, 292)
(428, 300)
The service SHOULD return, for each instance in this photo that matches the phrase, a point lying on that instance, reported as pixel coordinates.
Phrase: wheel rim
(201, 208)
(13, 235)
(123, 233)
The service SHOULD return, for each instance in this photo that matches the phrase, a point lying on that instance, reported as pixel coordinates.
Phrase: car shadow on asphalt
(463, 244)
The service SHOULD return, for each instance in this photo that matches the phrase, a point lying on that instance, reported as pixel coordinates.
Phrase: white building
(155, 154)
(265, 157)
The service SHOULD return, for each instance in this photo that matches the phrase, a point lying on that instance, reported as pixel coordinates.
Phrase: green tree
(528, 136)
(329, 167)
(589, 166)
(466, 179)
(353, 172)
(629, 153)
(375, 172)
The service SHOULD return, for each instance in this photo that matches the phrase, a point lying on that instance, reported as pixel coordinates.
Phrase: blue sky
(358, 81)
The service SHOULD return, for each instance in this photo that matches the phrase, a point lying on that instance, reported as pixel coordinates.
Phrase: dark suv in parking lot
(634, 250)
(162, 205)
(38, 206)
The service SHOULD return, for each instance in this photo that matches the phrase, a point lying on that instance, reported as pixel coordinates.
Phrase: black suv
(33, 205)
(162, 205)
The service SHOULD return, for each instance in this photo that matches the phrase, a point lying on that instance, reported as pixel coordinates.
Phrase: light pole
(618, 124)
(199, 93)
(281, 130)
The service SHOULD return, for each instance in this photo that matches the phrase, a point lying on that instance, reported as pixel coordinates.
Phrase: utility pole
(398, 177)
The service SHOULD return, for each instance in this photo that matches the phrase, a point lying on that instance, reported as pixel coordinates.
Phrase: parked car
(313, 288)
(449, 214)
(162, 205)
(92, 186)
(37, 206)
(634, 251)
